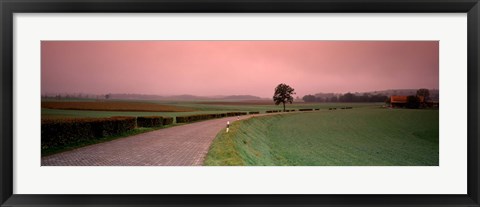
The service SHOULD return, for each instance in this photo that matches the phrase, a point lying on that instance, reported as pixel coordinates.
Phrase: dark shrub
(149, 121)
(236, 113)
(413, 102)
(167, 120)
(254, 112)
(305, 109)
(58, 133)
(180, 119)
(200, 117)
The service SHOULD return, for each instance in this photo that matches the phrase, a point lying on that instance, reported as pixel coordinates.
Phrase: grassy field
(363, 136)
(367, 135)
(193, 108)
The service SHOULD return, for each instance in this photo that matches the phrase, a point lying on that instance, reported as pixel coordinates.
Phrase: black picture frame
(9, 7)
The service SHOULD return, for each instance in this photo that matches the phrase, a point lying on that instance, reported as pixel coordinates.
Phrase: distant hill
(135, 96)
(326, 95)
(389, 92)
(240, 97)
(402, 92)
(434, 93)
(184, 97)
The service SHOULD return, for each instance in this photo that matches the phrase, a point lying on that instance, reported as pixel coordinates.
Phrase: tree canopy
(413, 102)
(424, 92)
(283, 94)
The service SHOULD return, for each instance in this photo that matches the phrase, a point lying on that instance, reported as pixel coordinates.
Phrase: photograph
(239, 103)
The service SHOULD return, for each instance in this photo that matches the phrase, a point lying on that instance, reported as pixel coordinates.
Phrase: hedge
(167, 120)
(58, 133)
(149, 121)
(196, 117)
(305, 109)
(254, 112)
(236, 113)
(200, 117)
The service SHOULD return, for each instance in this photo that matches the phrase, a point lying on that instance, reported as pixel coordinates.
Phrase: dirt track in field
(184, 145)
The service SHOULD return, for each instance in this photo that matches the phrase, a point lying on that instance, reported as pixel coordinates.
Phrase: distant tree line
(414, 102)
(76, 96)
(348, 97)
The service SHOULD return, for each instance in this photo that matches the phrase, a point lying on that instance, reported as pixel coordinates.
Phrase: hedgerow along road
(185, 145)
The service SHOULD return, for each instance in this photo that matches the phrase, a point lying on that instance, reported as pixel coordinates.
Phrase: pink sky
(208, 68)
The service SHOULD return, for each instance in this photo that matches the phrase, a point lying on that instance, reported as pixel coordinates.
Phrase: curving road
(176, 146)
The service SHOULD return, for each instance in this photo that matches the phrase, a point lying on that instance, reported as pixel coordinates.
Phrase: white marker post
(228, 125)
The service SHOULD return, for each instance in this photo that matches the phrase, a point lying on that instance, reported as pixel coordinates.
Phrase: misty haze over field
(434, 94)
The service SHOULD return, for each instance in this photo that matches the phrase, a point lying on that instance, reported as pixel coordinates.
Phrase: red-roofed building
(401, 101)
(398, 101)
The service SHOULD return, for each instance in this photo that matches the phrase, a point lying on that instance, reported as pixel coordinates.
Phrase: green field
(367, 135)
(200, 108)
(363, 136)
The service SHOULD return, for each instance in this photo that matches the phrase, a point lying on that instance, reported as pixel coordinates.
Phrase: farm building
(398, 101)
(401, 101)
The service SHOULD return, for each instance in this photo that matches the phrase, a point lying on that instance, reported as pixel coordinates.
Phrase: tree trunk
(283, 106)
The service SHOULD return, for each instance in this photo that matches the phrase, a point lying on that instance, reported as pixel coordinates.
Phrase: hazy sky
(236, 67)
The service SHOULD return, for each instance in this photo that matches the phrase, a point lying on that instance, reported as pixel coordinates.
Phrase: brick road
(176, 146)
